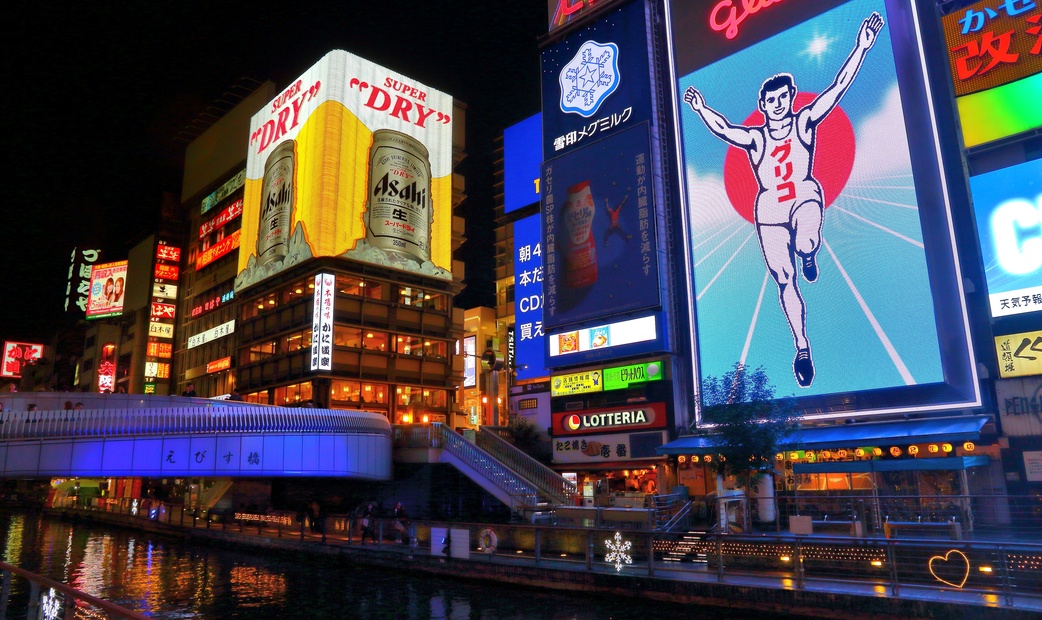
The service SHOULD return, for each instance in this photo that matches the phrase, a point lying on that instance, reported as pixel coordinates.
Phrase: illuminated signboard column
(77, 290)
(322, 322)
(817, 250)
(159, 348)
(528, 298)
(600, 207)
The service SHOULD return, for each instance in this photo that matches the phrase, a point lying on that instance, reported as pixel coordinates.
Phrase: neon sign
(732, 20)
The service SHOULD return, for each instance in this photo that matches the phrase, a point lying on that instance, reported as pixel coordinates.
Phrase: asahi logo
(577, 421)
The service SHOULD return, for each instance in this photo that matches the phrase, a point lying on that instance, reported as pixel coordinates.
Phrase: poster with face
(807, 249)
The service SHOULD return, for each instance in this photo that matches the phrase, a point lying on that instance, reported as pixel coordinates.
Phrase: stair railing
(553, 486)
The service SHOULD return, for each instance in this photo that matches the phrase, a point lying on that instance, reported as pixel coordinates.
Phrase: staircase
(508, 474)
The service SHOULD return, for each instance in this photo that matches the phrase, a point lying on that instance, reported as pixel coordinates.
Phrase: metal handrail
(558, 490)
(525, 493)
(162, 421)
(69, 595)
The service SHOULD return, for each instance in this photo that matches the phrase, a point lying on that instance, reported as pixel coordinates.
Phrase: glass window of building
(436, 349)
(293, 394)
(260, 351)
(350, 285)
(372, 289)
(374, 393)
(375, 340)
(347, 336)
(409, 345)
(260, 398)
(296, 291)
(297, 341)
(346, 392)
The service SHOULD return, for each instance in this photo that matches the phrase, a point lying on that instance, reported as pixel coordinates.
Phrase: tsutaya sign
(642, 416)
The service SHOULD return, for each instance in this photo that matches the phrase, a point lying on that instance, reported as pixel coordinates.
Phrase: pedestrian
(235, 395)
(369, 522)
(400, 521)
(189, 390)
(314, 513)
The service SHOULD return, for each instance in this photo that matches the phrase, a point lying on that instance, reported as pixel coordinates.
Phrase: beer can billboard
(351, 160)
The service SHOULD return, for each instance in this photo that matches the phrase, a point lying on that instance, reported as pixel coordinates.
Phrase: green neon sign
(622, 377)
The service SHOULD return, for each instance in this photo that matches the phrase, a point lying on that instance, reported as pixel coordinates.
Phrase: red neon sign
(219, 249)
(167, 272)
(160, 349)
(731, 20)
(218, 365)
(163, 311)
(168, 252)
(231, 212)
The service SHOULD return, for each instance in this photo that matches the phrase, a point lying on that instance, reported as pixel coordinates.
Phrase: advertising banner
(595, 449)
(599, 228)
(229, 213)
(219, 249)
(211, 334)
(1020, 406)
(522, 159)
(1019, 355)
(16, 356)
(1008, 207)
(596, 81)
(576, 383)
(622, 377)
(352, 160)
(639, 416)
(993, 42)
(808, 254)
(322, 322)
(470, 361)
(77, 289)
(530, 342)
(107, 282)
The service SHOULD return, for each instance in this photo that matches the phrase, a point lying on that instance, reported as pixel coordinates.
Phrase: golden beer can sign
(399, 213)
(276, 205)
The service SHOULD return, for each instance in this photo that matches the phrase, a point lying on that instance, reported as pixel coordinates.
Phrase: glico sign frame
(807, 253)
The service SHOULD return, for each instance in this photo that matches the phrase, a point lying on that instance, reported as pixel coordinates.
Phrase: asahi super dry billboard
(351, 160)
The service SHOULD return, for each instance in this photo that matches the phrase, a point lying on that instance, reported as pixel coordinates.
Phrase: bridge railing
(50, 599)
(15, 425)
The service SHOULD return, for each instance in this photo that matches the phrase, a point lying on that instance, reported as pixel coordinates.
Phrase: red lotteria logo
(572, 422)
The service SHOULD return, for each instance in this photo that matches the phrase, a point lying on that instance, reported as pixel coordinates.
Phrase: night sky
(97, 93)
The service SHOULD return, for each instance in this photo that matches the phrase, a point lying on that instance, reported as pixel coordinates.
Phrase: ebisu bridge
(131, 435)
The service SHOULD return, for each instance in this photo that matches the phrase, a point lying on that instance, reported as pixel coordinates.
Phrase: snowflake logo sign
(589, 78)
(618, 552)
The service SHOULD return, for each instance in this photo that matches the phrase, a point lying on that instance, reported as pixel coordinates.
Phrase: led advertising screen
(809, 252)
(1001, 112)
(1008, 207)
(351, 160)
(601, 242)
(522, 157)
(530, 342)
(16, 356)
(107, 283)
(993, 42)
(596, 81)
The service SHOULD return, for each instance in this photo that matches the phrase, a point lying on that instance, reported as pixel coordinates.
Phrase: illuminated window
(437, 349)
(375, 340)
(347, 337)
(260, 351)
(409, 345)
(528, 403)
(260, 398)
(374, 393)
(293, 394)
(346, 392)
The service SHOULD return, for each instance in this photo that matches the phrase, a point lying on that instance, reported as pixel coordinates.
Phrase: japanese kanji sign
(993, 42)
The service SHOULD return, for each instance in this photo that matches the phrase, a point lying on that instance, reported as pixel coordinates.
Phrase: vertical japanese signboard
(162, 315)
(322, 322)
(816, 249)
(77, 290)
(528, 299)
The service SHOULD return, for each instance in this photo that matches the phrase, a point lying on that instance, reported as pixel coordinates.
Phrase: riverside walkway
(814, 575)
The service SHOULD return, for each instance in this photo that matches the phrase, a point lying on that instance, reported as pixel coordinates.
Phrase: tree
(747, 421)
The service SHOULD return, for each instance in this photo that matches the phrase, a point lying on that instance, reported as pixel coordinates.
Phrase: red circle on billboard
(572, 422)
(833, 159)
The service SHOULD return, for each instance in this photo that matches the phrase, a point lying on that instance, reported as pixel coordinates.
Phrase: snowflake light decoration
(50, 606)
(618, 552)
(589, 78)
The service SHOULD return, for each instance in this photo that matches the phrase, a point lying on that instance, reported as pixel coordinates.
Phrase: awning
(901, 432)
(928, 464)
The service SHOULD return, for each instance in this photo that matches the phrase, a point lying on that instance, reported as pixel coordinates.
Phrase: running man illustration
(789, 208)
(614, 228)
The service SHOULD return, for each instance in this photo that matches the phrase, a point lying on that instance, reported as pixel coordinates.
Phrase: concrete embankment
(740, 592)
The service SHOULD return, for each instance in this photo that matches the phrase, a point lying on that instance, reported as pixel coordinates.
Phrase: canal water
(167, 578)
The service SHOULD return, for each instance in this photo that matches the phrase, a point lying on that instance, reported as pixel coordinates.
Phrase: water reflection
(167, 578)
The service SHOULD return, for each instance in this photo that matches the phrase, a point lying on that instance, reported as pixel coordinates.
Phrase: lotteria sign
(642, 416)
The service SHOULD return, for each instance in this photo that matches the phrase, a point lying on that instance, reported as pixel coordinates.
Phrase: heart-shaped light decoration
(944, 558)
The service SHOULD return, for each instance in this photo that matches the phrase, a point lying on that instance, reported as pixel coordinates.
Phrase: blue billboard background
(601, 75)
(600, 238)
(1008, 207)
(530, 342)
(522, 157)
(870, 313)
